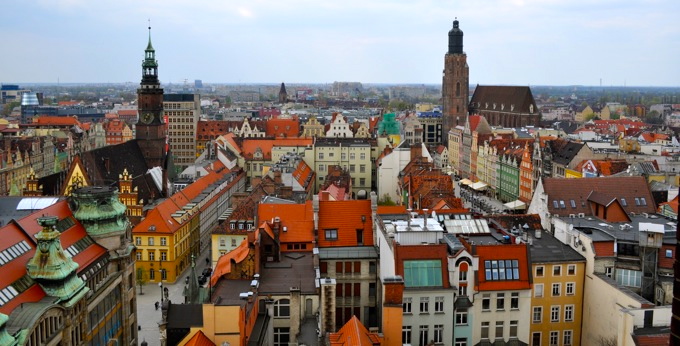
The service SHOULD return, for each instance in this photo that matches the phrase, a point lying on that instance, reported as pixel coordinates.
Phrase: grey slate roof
(548, 249)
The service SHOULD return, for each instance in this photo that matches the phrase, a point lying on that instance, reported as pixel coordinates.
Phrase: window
(571, 269)
(462, 290)
(669, 253)
(573, 203)
(438, 333)
(282, 308)
(513, 328)
(439, 304)
(554, 338)
(152, 255)
(152, 274)
(320, 156)
(422, 273)
(570, 288)
(352, 168)
(164, 241)
(424, 305)
(164, 256)
(555, 204)
(499, 329)
(537, 314)
(623, 202)
(500, 301)
(514, 300)
(556, 290)
(485, 330)
(362, 156)
(536, 339)
(406, 334)
(423, 330)
(566, 338)
(608, 271)
(643, 201)
(568, 313)
(150, 241)
(351, 156)
(460, 342)
(343, 156)
(462, 275)
(138, 241)
(626, 277)
(538, 290)
(557, 270)
(407, 305)
(539, 271)
(331, 234)
(501, 270)
(555, 313)
(362, 168)
(637, 201)
(139, 256)
(461, 317)
(322, 168)
(362, 181)
(281, 336)
(562, 205)
(164, 274)
(233, 241)
(486, 302)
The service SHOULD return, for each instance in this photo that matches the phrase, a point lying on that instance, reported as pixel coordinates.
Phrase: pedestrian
(156, 304)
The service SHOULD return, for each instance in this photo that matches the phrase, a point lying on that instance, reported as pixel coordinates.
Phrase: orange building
(526, 175)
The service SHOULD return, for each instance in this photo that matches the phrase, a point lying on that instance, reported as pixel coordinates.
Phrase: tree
(386, 201)
(141, 279)
(8, 107)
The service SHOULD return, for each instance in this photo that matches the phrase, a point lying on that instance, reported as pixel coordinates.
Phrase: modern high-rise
(455, 85)
(182, 112)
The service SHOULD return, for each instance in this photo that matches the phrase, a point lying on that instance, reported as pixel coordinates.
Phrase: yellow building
(557, 298)
(570, 173)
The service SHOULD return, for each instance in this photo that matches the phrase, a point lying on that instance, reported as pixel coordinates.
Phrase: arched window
(282, 308)
(458, 89)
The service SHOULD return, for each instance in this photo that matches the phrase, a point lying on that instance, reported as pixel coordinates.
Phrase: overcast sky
(519, 42)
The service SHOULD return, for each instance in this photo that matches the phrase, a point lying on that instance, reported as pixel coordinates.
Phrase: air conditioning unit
(581, 215)
(572, 216)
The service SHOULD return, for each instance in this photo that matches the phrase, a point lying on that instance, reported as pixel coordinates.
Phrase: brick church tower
(151, 130)
(455, 85)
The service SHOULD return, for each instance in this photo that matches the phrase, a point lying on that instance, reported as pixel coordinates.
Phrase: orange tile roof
(56, 121)
(304, 175)
(298, 219)
(68, 103)
(282, 127)
(161, 216)
(673, 204)
(199, 339)
(127, 112)
(396, 209)
(354, 333)
(346, 218)
(223, 265)
(250, 145)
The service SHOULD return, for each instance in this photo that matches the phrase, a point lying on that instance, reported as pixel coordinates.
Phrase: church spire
(150, 65)
(149, 47)
(455, 39)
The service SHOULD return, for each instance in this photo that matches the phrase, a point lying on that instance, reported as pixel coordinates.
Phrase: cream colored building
(182, 112)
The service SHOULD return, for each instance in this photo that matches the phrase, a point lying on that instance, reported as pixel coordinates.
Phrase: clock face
(147, 118)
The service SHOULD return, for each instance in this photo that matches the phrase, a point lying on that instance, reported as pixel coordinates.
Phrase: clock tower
(150, 129)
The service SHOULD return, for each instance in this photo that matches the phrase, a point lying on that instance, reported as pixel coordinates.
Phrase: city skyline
(515, 42)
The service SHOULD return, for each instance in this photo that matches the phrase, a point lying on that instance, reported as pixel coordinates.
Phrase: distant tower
(151, 131)
(455, 85)
(283, 95)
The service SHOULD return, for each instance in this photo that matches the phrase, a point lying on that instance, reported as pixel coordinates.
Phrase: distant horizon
(507, 42)
(191, 84)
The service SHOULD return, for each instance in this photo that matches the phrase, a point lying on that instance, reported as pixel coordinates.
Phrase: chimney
(425, 219)
(416, 151)
(325, 196)
(393, 315)
(295, 314)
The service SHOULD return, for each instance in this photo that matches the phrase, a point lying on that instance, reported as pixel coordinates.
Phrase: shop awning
(515, 205)
(479, 186)
(466, 181)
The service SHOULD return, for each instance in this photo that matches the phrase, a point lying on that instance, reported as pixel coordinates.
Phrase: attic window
(555, 205)
(643, 201)
(573, 203)
(562, 205)
(637, 201)
(623, 202)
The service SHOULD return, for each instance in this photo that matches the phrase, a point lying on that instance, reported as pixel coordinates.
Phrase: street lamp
(160, 285)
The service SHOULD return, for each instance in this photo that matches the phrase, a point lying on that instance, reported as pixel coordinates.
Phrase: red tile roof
(564, 191)
(282, 127)
(55, 121)
(502, 252)
(250, 145)
(127, 112)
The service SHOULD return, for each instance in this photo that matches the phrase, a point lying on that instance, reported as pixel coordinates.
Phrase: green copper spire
(52, 268)
(149, 47)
